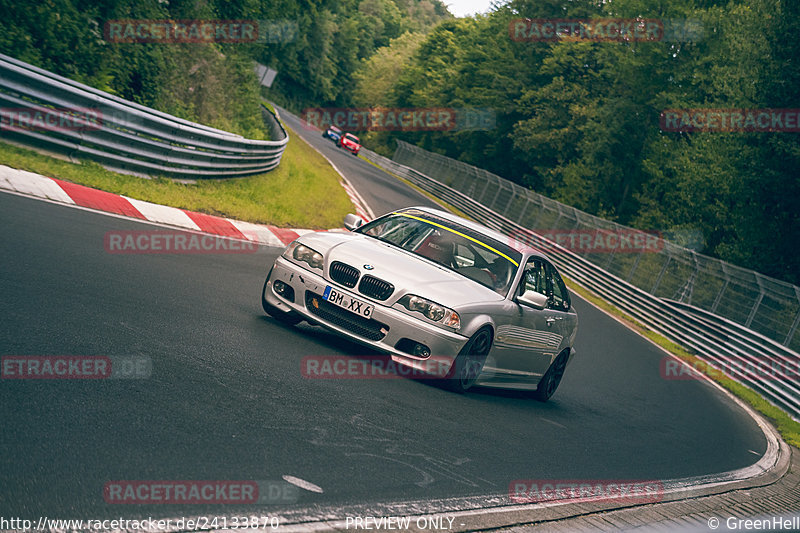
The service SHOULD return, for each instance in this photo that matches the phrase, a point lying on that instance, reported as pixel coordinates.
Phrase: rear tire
(469, 362)
(551, 379)
(290, 318)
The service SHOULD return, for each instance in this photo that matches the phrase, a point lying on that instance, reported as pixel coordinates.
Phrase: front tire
(551, 379)
(290, 318)
(469, 362)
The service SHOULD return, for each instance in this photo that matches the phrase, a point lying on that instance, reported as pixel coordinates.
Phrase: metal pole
(722, 290)
(757, 304)
(660, 275)
(793, 329)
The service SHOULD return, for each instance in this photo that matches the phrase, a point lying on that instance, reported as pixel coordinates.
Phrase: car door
(525, 343)
(560, 317)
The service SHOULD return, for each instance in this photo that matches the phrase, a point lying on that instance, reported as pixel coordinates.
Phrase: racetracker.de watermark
(399, 119)
(604, 29)
(50, 119)
(372, 367)
(173, 242)
(199, 492)
(199, 31)
(742, 370)
(75, 367)
(622, 491)
(730, 120)
(588, 241)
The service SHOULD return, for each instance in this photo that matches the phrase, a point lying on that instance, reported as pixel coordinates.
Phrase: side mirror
(533, 299)
(352, 221)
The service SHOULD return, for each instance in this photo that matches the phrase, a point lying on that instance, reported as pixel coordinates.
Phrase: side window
(535, 277)
(559, 297)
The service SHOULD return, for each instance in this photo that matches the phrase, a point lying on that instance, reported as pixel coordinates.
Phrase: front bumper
(444, 345)
(350, 148)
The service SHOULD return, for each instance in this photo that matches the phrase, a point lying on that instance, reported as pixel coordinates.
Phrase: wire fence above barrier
(755, 360)
(666, 269)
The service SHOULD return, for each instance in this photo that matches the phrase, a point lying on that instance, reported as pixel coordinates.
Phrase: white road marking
(303, 484)
(554, 423)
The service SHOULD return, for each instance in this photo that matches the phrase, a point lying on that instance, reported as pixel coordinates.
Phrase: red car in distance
(348, 141)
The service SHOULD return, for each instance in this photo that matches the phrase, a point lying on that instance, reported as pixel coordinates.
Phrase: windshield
(466, 252)
(351, 137)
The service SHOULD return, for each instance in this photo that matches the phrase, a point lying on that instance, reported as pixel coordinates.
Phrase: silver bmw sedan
(438, 293)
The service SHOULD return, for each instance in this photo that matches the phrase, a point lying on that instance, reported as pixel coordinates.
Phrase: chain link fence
(667, 270)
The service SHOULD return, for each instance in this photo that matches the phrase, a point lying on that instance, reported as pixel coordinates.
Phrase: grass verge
(786, 426)
(303, 192)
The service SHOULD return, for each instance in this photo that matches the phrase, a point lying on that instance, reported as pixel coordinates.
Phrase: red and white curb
(64, 192)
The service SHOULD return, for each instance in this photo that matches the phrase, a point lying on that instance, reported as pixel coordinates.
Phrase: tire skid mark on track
(389, 445)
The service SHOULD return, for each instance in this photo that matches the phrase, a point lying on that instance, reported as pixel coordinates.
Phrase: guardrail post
(560, 214)
(524, 209)
(483, 193)
(496, 196)
(796, 322)
(757, 304)
(510, 200)
(610, 260)
(635, 265)
(660, 275)
(538, 215)
(722, 290)
(688, 287)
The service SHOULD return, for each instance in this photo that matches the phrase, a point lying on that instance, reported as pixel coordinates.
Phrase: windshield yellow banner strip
(498, 252)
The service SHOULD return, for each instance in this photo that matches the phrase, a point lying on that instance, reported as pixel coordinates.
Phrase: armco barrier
(719, 341)
(126, 136)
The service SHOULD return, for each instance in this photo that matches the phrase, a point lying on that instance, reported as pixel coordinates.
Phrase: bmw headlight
(304, 254)
(431, 310)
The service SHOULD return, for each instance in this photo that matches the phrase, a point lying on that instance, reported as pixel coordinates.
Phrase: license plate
(346, 301)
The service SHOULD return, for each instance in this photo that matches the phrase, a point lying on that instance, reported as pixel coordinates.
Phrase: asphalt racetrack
(226, 399)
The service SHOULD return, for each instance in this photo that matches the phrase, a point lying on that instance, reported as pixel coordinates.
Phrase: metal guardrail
(123, 135)
(723, 343)
(676, 272)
